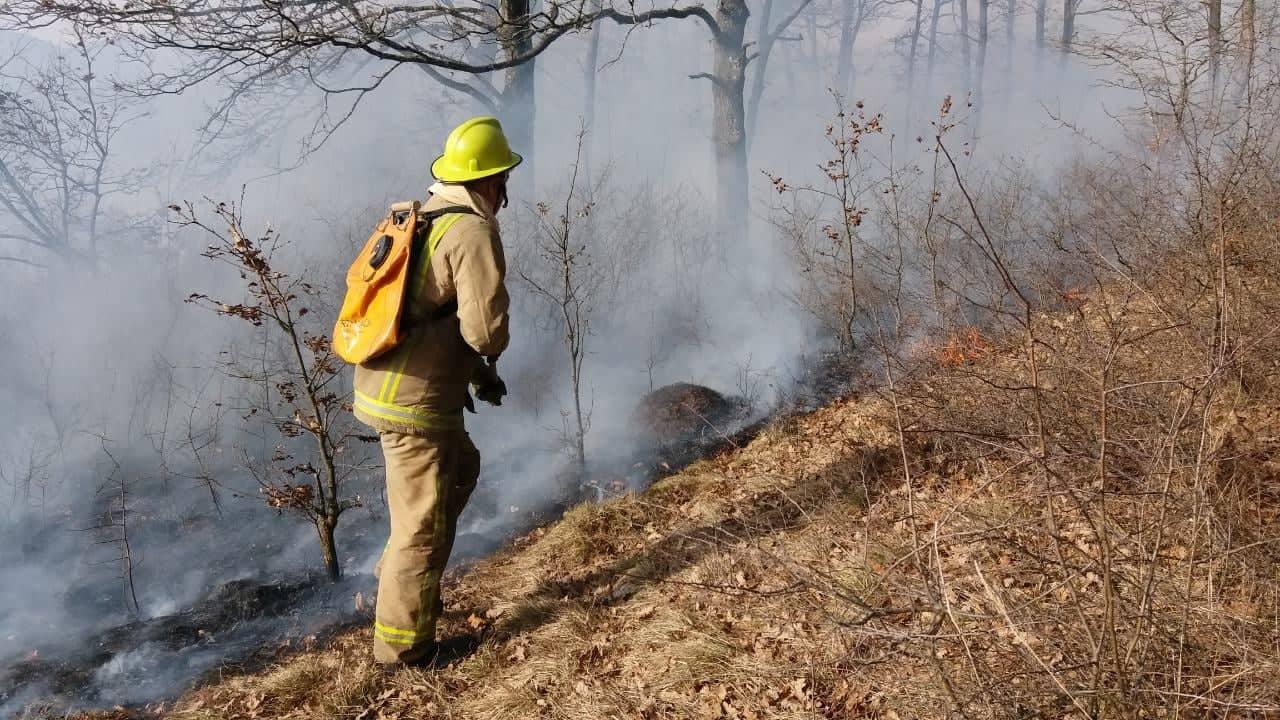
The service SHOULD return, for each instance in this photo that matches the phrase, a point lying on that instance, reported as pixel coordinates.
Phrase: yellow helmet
(475, 149)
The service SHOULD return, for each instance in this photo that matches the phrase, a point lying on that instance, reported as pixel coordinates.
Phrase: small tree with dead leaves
(295, 379)
(827, 241)
(565, 277)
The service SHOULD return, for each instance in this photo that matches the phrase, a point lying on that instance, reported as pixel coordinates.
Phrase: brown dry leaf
(476, 622)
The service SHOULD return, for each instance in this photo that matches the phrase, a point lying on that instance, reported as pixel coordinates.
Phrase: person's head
(477, 155)
(492, 189)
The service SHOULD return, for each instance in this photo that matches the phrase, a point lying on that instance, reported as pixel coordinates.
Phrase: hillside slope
(999, 534)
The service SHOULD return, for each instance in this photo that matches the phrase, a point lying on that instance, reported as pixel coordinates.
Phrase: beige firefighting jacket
(421, 385)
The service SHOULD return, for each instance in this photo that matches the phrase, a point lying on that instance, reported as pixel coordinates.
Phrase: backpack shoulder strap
(421, 256)
(452, 209)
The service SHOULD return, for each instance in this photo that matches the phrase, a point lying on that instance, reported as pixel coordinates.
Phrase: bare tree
(516, 34)
(917, 25)
(1248, 44)
(980, 70)
(297, 376)
(58, 126)
(28, 472)
(566, 280)
(113, 529)
(729, 113)
(1069, 9)
(1213, 9)
(831, 251)
(341, 52)
(347, 50)
(591, 71)
(935, 17)
(1010, 20)
(1042, 12)
(1164, 56)
(767, 36)
(854, 14)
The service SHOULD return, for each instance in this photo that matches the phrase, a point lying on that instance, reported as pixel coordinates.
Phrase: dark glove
(492, 393)
(488, 385)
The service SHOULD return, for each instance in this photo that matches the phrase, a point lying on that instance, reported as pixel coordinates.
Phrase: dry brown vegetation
(1097, 541)
(1061, 501)
(1065, 506)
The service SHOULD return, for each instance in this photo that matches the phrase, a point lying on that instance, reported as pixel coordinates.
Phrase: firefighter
(414, 395)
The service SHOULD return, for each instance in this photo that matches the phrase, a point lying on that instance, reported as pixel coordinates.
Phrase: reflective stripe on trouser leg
(428, 482)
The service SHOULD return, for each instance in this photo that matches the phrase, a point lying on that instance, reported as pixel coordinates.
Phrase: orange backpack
(372, 320)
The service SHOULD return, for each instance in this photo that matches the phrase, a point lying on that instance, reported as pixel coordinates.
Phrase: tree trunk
(1068, 26)
(764, 47)
(518, 92)
(811, 28)
(911, 56)
(325, 528)
(984, 16)
(933, 51)
(965, 59)
(1042, 10)
(580, 430)
(1215, 40)
(1248, 48)
(729, 123)
(848, 36)
(765, 44)
(1011, 14)
(589, 101)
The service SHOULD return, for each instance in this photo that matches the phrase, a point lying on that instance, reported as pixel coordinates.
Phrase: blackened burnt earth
(247, 622)
(150, 659)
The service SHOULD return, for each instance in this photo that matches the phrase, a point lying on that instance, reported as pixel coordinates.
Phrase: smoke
(114, 388)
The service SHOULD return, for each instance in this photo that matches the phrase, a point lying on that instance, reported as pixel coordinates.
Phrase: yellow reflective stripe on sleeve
(391, 384)
(423, 419)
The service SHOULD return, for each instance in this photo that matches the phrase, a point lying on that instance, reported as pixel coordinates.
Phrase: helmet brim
(442, 172)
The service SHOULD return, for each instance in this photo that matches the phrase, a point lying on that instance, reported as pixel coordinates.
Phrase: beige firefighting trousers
(429, 479)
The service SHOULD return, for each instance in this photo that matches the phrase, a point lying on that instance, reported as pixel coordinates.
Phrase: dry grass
(802, 576)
